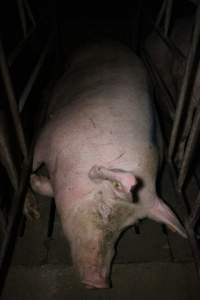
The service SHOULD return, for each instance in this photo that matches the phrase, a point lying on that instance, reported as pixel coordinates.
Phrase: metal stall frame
(191, 130)
(21, 180)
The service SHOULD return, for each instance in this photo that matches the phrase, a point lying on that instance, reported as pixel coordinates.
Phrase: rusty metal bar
(12, 101)
(190, 148)
(35, 72)
(187, 84)
(168, 16)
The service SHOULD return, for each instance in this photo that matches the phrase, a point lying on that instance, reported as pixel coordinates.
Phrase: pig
(100, 146)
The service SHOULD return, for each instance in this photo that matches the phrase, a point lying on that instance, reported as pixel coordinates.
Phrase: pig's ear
(122, 180)
(160, 212)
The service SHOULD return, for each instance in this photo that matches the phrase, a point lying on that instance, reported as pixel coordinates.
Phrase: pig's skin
(100, 140)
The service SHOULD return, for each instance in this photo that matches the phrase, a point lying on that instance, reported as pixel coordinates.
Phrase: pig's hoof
(31, 210)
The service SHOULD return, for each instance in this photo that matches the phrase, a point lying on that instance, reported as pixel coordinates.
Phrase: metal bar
(12, 101)
(5, 151)
(184, 136)
(35, 72)
(187, 83)
(195, 214)
(51, 218)
(12, 57)
(155, 73)
(176, 52)
(168, 16)
(161, 13)
(22, 16)
(190, 148)
(7, 246)
(184, 211)
(30, 14)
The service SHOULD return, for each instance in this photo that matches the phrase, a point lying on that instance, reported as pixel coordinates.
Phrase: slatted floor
(151, 263)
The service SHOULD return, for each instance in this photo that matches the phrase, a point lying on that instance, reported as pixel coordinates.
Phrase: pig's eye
(117, 185)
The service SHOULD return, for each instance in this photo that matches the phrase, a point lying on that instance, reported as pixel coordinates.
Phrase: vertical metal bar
(12, 101)
(51, 218)
(35, 72)
(161, 13)
(184, 136)
(30, 14)
(168, 16)
(22, 16)
(187, 83)
(191, 145)
(195, 214)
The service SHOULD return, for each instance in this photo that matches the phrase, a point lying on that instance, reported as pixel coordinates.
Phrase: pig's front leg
(40, 185)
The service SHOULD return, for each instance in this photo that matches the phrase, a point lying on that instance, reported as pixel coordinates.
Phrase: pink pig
(102, 148)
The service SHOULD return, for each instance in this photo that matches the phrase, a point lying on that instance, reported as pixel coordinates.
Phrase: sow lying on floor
(101, 148)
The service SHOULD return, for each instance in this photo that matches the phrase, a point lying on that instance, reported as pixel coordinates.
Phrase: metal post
(12, 101)
(187, 84)
(195, 214)
(22, 16)
(191, 145)
(35, 72)
(29, 12)
(168, 16)
(5, 152)
(161, 13)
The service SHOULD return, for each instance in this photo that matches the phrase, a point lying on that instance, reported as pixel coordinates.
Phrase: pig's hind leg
(40, 185)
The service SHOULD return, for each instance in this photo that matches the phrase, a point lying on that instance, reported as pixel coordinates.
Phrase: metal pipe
(12, 57)
(155, 73)
(184, 137)
(195, 214)
(7, 246)
(6, 156)
(187, 84)
(52, 215)
(22, 16)
(161, 13)
(168, 16)
(35, 72)
(176, 52)
(190, 148)
(12, 101)
(29, 12)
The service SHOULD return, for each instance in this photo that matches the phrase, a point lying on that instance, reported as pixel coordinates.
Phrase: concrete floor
(151, 264)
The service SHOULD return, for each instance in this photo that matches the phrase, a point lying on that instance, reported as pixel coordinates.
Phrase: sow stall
(27, 73)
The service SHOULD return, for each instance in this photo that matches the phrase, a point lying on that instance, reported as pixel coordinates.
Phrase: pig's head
(108, 210)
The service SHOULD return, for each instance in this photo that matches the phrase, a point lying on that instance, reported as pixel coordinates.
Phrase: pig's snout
(95, 279)
(96, 282)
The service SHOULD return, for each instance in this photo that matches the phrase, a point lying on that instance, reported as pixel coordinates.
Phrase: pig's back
(101, 114)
